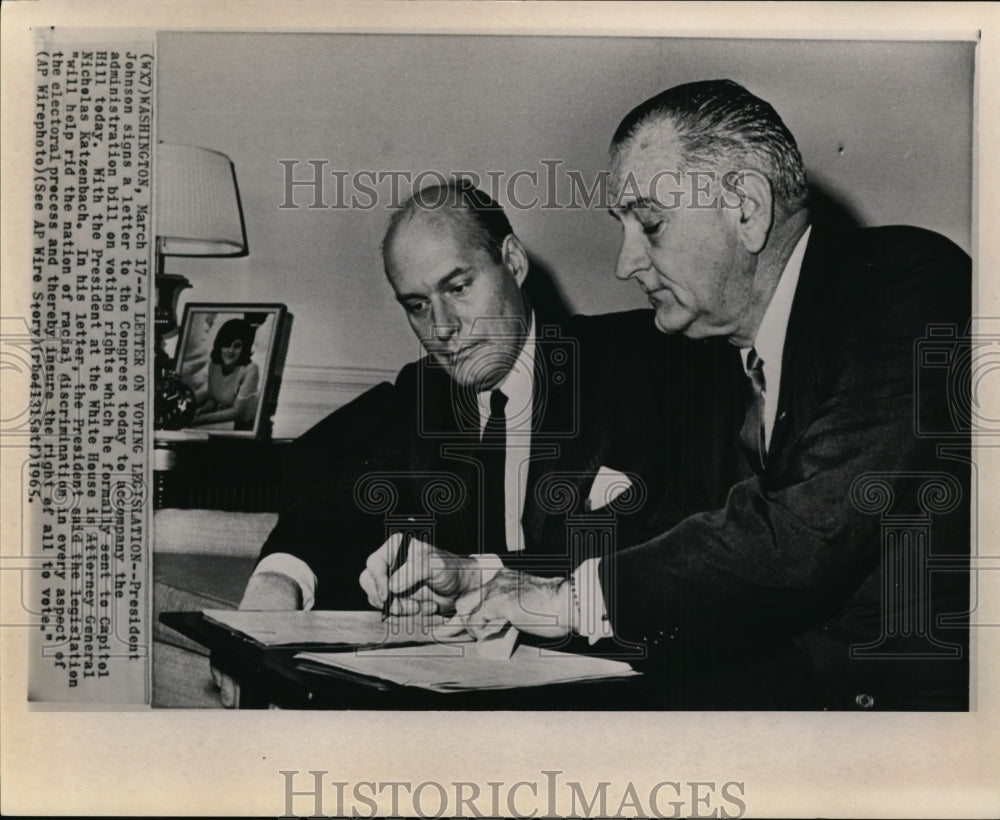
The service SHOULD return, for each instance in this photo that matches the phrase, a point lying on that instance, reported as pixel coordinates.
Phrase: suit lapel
(554, 421)
(445, 438)
(798, 355)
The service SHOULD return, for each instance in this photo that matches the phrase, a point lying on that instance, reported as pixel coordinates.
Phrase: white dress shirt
(518, 386)
(770, 345)
(770, 339)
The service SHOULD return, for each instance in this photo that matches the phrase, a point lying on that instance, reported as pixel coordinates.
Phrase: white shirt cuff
(489, 565)
(291, 567)
(592, 619)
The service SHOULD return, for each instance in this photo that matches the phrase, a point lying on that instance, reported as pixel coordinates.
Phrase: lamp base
(173, 402)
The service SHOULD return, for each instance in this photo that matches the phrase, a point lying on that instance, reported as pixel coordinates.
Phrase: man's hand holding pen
(428, 580)
(404, 580)
(398, 560)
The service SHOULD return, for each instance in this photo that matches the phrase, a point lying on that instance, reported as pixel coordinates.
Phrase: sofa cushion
(212, 532)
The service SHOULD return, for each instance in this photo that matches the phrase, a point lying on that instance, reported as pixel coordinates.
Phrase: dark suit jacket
(822, 582)
(610, 391)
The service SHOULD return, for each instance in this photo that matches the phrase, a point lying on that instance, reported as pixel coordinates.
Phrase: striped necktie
(752, 433)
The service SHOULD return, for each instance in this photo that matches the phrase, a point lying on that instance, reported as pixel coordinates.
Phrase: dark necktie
(752, 433)
(494, 456)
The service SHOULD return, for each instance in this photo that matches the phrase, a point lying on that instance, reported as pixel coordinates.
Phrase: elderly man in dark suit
(835, 574)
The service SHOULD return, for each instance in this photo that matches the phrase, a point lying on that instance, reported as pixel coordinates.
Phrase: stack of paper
(413, 651)
(333, 628)
(463, 668)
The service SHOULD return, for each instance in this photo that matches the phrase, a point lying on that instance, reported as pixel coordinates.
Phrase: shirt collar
(518, 385)
(770, 339)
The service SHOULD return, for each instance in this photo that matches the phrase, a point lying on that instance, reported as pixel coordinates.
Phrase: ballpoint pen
(397, 562)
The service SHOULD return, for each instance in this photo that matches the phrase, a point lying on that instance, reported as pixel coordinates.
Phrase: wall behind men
(885, 128)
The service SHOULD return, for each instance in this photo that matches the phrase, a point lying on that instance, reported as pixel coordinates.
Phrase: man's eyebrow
(632, 205)
(441, 283)
(446, 279)
(640, 202)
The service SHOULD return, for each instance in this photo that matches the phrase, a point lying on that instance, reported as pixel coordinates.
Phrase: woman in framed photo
(232, 389)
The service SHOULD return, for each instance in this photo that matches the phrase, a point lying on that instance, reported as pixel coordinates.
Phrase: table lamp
(197, 213)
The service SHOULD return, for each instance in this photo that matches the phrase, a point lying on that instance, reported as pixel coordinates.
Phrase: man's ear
(756, 210)
(515, 258)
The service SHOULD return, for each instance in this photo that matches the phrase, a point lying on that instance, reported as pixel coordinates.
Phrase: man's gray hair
(720, 123)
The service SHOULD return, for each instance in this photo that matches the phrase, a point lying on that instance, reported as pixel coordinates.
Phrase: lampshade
(197, 204)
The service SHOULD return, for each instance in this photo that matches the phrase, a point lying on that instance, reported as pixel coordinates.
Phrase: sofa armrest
(202, 559)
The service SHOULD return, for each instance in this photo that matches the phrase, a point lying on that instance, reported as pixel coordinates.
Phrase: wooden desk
(238, 475)
(270, 676)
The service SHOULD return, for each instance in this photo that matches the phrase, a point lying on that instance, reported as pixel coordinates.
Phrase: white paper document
(463, 667)
(333, 628)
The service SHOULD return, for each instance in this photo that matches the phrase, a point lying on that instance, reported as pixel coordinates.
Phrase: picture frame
(231, 356)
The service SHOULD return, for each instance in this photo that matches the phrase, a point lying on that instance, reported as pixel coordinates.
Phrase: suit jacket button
(865, 701)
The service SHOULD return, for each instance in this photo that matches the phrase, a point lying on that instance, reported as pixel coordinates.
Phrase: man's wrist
(290, 566)
(271, 591)
(592, 616)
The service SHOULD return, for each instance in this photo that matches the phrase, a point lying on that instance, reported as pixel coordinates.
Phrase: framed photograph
(231, 357)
